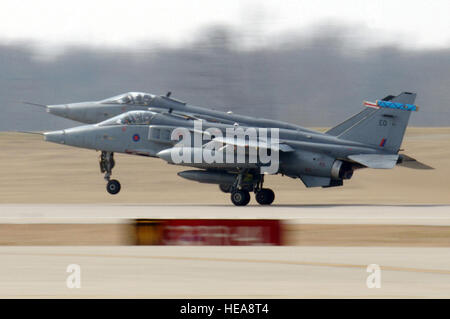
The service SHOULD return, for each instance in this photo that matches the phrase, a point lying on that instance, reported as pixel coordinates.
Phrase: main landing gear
(265, 196)
(240, 190)
(240, 197)
(106, 165)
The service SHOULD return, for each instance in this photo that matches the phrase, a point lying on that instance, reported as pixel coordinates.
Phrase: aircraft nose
(55, 136)
(59, 109)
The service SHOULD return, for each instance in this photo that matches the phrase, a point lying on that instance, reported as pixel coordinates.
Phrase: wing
(260, 143)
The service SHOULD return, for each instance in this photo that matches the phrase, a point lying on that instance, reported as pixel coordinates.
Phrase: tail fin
(340, 128)
(382, 124)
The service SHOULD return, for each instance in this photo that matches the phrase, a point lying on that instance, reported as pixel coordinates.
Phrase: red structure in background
(203, 232)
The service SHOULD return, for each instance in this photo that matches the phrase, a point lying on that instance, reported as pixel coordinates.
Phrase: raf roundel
(136, 137)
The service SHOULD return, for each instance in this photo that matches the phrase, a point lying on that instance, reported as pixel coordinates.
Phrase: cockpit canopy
(130, 98)
(130, 118)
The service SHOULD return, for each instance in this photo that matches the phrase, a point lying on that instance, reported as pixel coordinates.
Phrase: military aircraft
(369, 139)
(97, 111)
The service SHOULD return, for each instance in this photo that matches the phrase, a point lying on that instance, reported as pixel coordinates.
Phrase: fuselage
(97, 111)
(313, 152)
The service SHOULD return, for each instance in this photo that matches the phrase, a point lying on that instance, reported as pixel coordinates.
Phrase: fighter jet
(369, 139)
(97, 111)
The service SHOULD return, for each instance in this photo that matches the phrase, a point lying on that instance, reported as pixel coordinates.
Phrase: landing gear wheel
(113, 187)
(265, 196)
(225, 188)
(240, 197)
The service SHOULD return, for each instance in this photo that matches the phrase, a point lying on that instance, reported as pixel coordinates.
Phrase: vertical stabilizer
(385, 125)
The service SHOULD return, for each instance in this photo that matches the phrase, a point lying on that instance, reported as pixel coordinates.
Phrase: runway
(433, 215)
(221, 272)
(54, 195)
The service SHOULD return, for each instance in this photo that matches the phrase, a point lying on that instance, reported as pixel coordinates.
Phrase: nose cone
(55, 137)
(81, 136)
(58, 110)
(84, 112)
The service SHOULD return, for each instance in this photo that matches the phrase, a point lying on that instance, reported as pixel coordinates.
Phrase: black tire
(265, 196)
(225, 188)
(240, 197)
(113, 187)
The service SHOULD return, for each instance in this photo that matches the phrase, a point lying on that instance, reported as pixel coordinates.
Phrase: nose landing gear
(113, 187)
(106, 165)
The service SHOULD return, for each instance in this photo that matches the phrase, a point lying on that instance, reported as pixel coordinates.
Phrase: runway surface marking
(240, 260)
(438, 215)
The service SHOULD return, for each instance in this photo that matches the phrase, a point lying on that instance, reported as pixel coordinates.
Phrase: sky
(310, 63)
(50, 26)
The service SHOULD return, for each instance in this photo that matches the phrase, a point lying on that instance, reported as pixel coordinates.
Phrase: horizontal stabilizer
(375, 160)
(407, 161)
